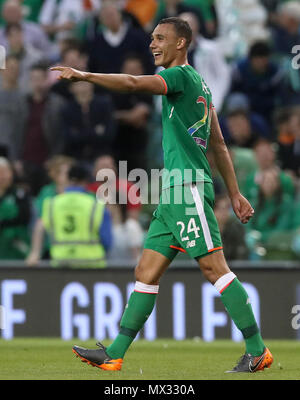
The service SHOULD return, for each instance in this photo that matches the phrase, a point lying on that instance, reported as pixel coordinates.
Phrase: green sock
(236, 302)
(137, 311)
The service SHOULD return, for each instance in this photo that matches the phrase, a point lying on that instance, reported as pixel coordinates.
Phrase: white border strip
(201, 214)
(224, 281)
(143, 288)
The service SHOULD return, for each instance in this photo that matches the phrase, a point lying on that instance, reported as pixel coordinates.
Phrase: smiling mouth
(156, 54)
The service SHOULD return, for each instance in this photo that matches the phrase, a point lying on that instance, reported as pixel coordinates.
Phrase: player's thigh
(160, 248)
(191, 219)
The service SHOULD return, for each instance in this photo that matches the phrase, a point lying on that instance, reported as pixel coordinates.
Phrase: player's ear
(181, 43)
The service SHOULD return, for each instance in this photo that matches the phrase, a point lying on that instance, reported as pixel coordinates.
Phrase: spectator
(266, 160)
(30, 9)
(208, 10)
(259, 79)
(206, 57)
(119, 185)
(14, 216)
(72, 56)
(232, 231)
(240, 131)
(172, 8)
(79, 226)
(88, 124)
(59, 19)
(42, 133)
(132, 114)
(271, 193)
(58, 168)
(26, 54)
(124, 206)
(286, 32)
(128, 250)
(12, 110)
(272, 204)
(288, 126)
(109, 46)
(33, 33)
(236, 102)
(296, 229)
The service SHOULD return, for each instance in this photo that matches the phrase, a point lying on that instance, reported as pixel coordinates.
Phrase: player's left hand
(70, 74)
(242, 208)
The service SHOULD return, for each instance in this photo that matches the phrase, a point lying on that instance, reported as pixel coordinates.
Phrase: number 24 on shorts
(191, 227)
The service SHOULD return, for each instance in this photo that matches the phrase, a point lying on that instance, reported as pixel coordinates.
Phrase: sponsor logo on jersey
(190, 244)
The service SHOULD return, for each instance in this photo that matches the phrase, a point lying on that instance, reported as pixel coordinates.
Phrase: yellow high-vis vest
(73, 220)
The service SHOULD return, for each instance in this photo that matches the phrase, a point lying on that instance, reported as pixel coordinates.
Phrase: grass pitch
(52, 359)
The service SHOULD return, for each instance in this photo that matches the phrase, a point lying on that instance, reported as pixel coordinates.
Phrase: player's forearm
(117, 82)
(151, 84)
(225, 167)
(222, 157)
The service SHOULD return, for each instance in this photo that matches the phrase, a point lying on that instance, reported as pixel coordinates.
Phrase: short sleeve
(173, 79)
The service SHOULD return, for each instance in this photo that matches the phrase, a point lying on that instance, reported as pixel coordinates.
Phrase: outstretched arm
(240, 204)
(151, 84)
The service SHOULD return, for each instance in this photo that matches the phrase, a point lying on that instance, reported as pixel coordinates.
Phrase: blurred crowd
(55, 136)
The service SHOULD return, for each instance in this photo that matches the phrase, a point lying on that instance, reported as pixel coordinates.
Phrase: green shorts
(185, 221)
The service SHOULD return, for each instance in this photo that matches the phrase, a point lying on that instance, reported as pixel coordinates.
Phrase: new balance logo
(248, 301)
(191, 243)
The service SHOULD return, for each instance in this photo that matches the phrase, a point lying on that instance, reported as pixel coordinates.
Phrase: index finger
(57, 68)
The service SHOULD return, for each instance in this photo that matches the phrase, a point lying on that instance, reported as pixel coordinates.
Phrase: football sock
(237, 304)
(137, 311)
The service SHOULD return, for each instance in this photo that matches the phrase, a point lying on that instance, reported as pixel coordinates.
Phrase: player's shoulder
(184, 73)
(183, 68)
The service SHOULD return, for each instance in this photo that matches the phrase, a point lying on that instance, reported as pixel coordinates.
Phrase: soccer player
(190, 123)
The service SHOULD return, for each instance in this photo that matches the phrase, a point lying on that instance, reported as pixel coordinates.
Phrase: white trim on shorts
(202, 217)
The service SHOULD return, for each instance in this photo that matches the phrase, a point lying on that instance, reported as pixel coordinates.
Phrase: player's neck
(178, 61)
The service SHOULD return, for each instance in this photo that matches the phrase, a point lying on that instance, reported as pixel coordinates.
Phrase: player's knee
(140, 274)
(144, 275)
(209, 274)
(207, 270)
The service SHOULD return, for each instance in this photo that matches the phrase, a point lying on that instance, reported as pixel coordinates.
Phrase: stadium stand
(255, 78)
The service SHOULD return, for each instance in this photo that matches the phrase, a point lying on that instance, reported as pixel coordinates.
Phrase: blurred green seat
(279, 246)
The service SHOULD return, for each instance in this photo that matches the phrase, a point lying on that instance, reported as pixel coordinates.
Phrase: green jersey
(186, 119)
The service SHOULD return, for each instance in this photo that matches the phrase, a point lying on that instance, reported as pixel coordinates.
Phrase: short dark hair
(238, 113)
(283, 115)
(181, 27)
(261, 140)
(40, 66)
(260, 49)
(132, 56)
(79, 173)
(71, 44)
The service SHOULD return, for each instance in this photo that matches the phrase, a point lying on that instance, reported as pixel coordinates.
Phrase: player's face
(164, 45)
